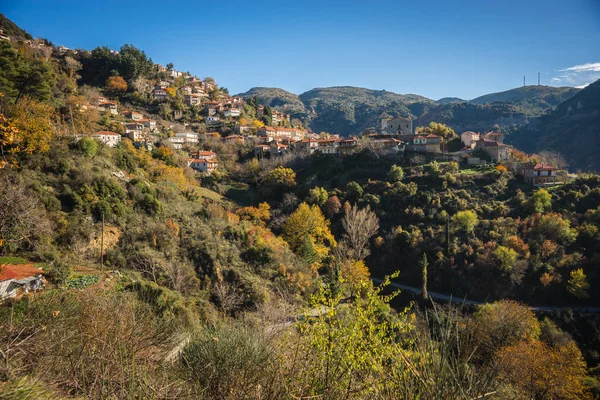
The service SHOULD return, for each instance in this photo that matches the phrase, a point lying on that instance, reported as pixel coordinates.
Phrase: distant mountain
(349, 110)
(476, 117)
(572, 129)
(534, 100)
(280, 99)
(449, 100)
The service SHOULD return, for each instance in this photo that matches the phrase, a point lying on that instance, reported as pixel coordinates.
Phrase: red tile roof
(18, 271)
(107, 133)
(544, 167)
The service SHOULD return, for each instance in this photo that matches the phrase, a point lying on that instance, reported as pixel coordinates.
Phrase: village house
(160, 68)
(496, 151)
(110, 139)
(177, 114)
(3, 36)
(148, 123)
(133, 115)
(62, 49)
(203, 164)
(209, 155)
(186, 90)
(176, 142)
(135, 131)
(306, 145)
(193, 80)
(396, 126)
(16, 279)
(232, 112)
(212, 120)
(110, 107)
(233, 138)
(346, 146)
(193, 100)
(261, 150)
(159, 94)
(243, 129)
(425, 144)
(164, 84)
(199, 91)
(540, 174)
(174, 74)
(183, 138)
(469, 139)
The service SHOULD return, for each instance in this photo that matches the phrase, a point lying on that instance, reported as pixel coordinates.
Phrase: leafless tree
(23, 220)
(553, 158)
(360, 224)
(227, 297)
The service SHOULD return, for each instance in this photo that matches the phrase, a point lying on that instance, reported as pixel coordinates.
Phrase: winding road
(446, 297)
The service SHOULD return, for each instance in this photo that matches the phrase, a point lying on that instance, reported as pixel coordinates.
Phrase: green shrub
(59, 272)
(88, 146)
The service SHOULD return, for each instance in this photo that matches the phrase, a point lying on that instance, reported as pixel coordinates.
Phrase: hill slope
(12, 30)
(573, 129)
(349, 110)
(280, 99)
(476, 117)
(534, 100)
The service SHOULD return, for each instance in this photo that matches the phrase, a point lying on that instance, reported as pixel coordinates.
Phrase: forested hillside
(535, 100)
(259, 278)
(572, 129)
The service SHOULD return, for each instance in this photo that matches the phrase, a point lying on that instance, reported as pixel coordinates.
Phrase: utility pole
(102, 245)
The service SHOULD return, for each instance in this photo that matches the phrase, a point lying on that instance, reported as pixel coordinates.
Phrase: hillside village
(163, 238)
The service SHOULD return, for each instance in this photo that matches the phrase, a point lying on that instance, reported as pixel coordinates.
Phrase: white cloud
(583, 86)
(578, 76)
(589, 67)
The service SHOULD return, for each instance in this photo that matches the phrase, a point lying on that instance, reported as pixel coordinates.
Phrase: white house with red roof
(109, 138)
(540, 174)
(203, 164)
(19, 278)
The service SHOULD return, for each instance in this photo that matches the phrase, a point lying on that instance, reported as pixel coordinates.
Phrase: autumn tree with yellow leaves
(307, 231)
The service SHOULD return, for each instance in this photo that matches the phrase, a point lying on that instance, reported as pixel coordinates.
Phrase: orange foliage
(259, 215)
(518, 245)
(542, 371)
(172, 226)
(116, 83)
(501, 168)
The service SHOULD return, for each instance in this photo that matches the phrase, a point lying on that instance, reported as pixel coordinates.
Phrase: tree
(441, 130)
(28, 131)
(507, 257)
(396, 174)
(503, 323)
(332, 206)
(116, 84)
(465, 221)
(133, 63)
(578, 284)
(355, 275)
(354, 190)
(542, 371)
(88, 146)
(424, 264)
(360, 225)
(317, 195)
(308, 221)
(23, 220)
(170, 66)
(541, 201)
(281, 177)
(34, 79)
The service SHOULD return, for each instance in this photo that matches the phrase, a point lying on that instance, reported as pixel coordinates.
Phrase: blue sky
(436, 48)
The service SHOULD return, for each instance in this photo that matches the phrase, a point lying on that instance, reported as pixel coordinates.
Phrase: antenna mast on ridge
(523, 80)
(538, 79)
